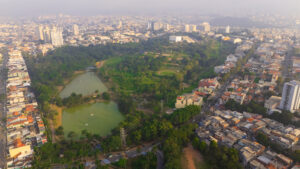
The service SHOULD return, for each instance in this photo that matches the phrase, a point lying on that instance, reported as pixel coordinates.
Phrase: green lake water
(84, 84)
(96, 118)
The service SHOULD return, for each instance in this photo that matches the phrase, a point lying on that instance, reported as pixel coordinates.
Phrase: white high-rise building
(75, 30)
(120, 24)
(166, 27)
(227, 30)
(40, 32)
(290, 99)
(57, 37)
(194, 28)
(206, 26)
(156, 26)
(187, 28)
(149, 25)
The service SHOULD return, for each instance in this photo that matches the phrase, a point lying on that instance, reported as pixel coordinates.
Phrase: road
(287, 66)
(160, 159)
(213, 100)
(3, 113)
(116, 156)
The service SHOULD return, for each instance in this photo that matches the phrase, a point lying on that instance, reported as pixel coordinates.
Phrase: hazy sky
(93, 7)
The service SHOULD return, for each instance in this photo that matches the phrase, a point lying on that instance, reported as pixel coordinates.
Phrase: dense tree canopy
(218, 156)
(154, 69)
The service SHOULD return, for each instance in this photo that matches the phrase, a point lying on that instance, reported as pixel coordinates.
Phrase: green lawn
(113, 61)
(166, 72)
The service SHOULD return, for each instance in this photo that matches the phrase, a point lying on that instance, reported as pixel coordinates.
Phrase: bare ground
(58, 117)
(190, 158)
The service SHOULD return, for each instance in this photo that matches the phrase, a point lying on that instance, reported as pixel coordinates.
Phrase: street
(3, 113)
(287, 66)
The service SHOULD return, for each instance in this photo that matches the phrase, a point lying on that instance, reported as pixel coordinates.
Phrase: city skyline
(235, 8)
(143, 84)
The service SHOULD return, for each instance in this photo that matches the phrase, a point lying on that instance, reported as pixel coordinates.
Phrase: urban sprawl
(242, 79)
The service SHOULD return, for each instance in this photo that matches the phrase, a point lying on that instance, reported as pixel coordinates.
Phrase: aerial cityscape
(149, 84)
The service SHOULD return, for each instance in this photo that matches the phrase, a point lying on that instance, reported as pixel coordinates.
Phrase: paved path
(160, 159)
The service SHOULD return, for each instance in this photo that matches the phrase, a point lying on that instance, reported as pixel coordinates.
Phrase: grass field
(166, 72)
(113, 61)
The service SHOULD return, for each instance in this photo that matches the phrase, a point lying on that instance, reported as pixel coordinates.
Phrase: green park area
(136, 78)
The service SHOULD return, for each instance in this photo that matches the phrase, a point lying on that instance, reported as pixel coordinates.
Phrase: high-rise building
(156, 26)
(227, 30)
(75, 30)
(290, 99)
(206, 26)
(57, 37)
(186, 28)
(166, 27)
(40, 32)
(46, 34)
(194, 28)
(149, 25)
(120, 24)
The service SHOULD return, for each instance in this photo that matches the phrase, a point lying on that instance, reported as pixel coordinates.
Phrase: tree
(59, 131)
(106, 96)
(121, 163)
(147, 161)
(126, 104)
(137, 136)
(202, 147)
(72, 135)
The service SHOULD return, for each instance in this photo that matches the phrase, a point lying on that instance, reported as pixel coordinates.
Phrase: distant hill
(237, 22)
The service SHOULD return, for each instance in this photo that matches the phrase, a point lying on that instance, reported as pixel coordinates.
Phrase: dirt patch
(100, 64)
(60, 88)
(58, 117)
(191, 158)
(57, 122)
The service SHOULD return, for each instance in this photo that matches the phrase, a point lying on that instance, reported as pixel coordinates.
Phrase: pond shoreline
(84, 84)
(112, 115)
(96, 118)
(67, 81)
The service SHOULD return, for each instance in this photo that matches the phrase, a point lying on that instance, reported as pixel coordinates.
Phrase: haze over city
(146, 7)
(150, 84)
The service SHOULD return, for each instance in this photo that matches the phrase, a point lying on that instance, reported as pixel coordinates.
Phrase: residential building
(187, 28)
(40, 32)
(193, 28)
(175, 38)
(290, 96)
(227, 30)
(47, 34)
(187, 100)
(272, 103)
(75, 30)
(206, 26)
(57, 37)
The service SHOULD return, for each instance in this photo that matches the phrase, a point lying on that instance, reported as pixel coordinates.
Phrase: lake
(84, 84)
(97, 118)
